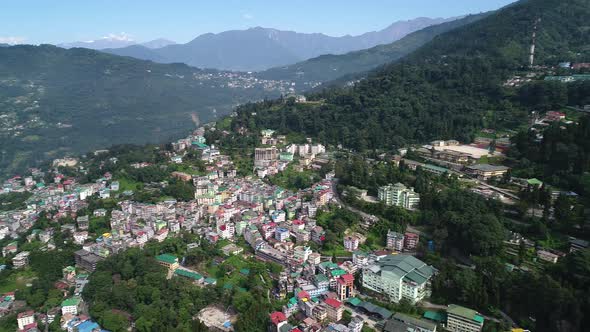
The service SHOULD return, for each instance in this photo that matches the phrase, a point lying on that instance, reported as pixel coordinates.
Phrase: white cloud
(12, 40)
(247, 16)
(119, 36)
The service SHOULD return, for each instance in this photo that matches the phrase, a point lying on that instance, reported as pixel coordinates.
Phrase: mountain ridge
(326, 68)
(259, 48)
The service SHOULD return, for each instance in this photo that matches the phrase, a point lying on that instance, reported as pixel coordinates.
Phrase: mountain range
(326, 68)
(260, 48)
(117, 41)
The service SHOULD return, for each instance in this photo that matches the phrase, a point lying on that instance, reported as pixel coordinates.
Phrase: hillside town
(249, 217)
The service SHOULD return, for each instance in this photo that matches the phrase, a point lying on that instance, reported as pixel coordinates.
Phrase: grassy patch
(16, 279)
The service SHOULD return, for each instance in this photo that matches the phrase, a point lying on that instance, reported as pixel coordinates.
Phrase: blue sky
(42, 21)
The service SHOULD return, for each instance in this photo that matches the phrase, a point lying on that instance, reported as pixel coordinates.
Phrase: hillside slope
(54, 101)
(330, 67)
(449, 88)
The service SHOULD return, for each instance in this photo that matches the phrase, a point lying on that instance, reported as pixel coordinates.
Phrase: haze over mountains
(329, 67)
(117, 41)
(260, 48)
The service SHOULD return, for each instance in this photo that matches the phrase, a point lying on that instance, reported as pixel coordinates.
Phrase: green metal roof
(435, 316)
(465, 313)
(188, 274)
(70, 302)
(210, 280)
(354, 301)
(167, 258)
(534, 182)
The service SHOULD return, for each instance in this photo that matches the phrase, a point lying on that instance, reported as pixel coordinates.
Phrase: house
(345, 286)
(20, 260)
(70, 306)
(411, 240)
(461, 319)
(351, 243)
(25, 318)
(547, 256)
(277, 320)
(395, 241)
(232, 249)
(334, 309)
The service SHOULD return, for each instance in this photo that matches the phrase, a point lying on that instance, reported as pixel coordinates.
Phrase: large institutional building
(399, 277)
(399, 195)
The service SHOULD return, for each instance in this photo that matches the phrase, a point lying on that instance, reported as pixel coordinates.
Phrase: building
(395, 241)
(70, 306)
(411, 241)
(547, 256)
(168, 261)
(399, 277)
(334, 309)
(345, 286)
(21, 260)
(25, 319)
(461, 319)
(351, 243)
(301, 253)
(399, 195)
(277, 320)
(264, 155)
(281, 234)
(486, 171)
(232, 249)
(416, 324)
(87, 260)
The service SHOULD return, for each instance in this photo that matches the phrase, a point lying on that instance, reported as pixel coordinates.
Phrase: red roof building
(277, 317)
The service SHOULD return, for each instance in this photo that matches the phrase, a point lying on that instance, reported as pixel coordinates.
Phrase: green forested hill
(54, 101)
(330, 67)
(449, 88)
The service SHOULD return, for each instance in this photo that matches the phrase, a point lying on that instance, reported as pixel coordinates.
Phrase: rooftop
(488, 168)
(167, 258)
(467, 313)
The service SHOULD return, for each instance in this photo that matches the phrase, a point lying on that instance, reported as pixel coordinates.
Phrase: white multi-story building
(70, 306)
(461, 319)
(25, 318)
(399, 277)
(301, 253)
(399, 195)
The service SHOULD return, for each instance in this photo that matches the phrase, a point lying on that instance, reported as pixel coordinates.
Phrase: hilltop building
(399, 195)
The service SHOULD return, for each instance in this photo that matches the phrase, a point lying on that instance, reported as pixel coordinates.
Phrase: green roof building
(461, 319)
(188, 274)
(399, 277)
(534, 182)
(435, 316)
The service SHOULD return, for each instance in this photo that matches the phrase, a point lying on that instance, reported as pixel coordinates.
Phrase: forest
(468, 229)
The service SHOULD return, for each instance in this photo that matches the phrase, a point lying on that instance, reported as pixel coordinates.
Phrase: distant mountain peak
(158, 43)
